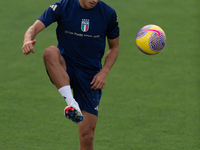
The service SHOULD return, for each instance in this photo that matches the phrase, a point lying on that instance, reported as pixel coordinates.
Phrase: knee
(87, 138)
(49, 53)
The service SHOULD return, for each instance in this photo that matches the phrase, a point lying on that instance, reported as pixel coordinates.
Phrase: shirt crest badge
(85, 25)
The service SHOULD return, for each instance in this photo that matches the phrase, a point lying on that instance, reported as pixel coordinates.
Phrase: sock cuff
(64, 88)
(66, 93)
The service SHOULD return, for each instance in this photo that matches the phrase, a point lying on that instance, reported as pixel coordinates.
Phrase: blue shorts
(80, 79)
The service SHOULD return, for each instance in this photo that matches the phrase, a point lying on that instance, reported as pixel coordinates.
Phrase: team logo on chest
(85, 25)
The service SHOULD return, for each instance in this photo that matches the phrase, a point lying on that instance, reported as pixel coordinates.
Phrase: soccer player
(82, 28)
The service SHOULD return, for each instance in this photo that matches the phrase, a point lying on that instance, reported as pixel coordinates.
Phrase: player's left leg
(86, 131)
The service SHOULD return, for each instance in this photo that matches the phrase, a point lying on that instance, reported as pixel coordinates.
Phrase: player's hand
(99, 80)
(28, 47)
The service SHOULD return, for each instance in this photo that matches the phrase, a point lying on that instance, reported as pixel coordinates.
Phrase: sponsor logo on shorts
(97, 108)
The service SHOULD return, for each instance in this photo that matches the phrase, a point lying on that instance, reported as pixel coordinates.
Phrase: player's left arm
(99, 79)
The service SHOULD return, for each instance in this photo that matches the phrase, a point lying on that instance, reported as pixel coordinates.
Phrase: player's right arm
(29, 37)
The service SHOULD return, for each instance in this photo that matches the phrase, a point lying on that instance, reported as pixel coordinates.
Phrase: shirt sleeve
(113, 28)
(52, 14)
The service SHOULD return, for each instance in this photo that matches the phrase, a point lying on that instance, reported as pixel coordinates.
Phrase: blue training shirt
(81, 33)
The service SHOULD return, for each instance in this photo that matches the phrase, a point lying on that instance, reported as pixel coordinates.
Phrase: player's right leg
(56, 67)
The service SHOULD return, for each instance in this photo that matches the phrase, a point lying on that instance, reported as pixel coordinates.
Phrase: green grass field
(149, 102)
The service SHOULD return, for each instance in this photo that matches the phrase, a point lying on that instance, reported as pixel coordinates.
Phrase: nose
(95, 1)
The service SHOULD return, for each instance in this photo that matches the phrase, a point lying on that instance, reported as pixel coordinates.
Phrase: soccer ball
(151, 39)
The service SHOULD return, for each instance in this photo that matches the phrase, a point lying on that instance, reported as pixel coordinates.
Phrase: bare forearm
(99, 79)
(112, 54)
(110, 59)
(33, 30)
(29, 37)
(30, 34)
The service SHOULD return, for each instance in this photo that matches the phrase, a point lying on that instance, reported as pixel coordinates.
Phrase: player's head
(88, 4)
